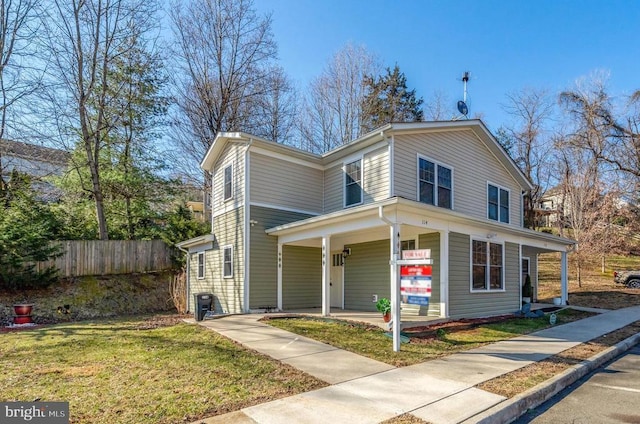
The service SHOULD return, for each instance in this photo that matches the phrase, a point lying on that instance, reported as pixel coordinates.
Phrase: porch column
(326, 275)
(279, 278)
(444, 274)
(564, 291)
(395, 285)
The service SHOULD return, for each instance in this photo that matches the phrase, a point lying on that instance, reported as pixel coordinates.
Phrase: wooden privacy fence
(98, 257)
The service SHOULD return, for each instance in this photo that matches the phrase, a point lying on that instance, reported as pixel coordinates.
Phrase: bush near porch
(598, 289)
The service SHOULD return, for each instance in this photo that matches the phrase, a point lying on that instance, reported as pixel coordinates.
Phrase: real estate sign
(415, 279)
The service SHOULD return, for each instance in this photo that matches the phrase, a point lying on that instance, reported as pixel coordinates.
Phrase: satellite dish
(462, 108)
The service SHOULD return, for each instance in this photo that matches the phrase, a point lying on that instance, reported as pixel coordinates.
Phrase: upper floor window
(201, 265)
(435, 184)
(498, 201)
(487, 266)
(353, 183)
(227, 262)
(228, 182)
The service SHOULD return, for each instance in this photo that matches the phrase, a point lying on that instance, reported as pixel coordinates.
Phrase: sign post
(415, 284)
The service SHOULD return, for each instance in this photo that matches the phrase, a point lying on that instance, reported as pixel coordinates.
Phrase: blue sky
(506, 45)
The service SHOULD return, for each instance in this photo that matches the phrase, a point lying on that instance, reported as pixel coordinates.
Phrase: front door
(336, 286)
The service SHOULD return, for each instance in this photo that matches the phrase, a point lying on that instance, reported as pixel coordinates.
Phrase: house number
(425, 222)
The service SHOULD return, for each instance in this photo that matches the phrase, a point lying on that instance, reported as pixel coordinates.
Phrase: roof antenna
(462, 104)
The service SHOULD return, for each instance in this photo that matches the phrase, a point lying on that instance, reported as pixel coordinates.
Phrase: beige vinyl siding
(472, 163)
(263, 272)
(376, 175)
(462, 302)
(333, 189)
(233, 154)
(286, 184)
(432, 241)
(227, 229)
(366, 272)
(301, 277)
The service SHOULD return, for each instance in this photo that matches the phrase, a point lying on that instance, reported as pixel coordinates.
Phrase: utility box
(203, 303)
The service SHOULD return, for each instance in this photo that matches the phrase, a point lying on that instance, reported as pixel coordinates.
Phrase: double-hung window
(353, 183)
(228, 182)
(435, 185)
(201, 265)
(487, 266)
(498, 203)
(227, 261)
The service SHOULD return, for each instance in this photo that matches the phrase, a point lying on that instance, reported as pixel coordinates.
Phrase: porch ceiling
(371, 222)
(381, 232)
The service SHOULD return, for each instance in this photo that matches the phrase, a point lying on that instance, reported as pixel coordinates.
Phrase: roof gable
(475, 125)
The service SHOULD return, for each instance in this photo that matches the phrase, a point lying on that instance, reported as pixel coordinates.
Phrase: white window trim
(487, 198)
(224, 172)
(435, 185)
(415, 240)
(344, 182)
(488, 264)
(202, 258)
(224, 248)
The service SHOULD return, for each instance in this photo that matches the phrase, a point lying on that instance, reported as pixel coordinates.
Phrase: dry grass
(521, 380)
(596, 289)
(405, 419)
(134, 370)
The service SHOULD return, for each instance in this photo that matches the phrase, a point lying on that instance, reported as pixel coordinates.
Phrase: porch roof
(398, 210)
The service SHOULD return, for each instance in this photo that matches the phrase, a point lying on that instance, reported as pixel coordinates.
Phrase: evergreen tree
(388, 99)
(26, 228)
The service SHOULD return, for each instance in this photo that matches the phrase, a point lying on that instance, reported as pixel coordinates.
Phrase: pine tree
(388, 99)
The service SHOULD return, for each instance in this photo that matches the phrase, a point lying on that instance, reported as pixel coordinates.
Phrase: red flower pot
(386, 317)
(23, 309)
(24, 319)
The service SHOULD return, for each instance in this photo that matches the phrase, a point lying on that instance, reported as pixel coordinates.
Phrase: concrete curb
(510, 410)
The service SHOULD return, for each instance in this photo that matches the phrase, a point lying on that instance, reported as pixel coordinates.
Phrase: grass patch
(370, 341)
(525, 378)
(596, 290)
(139, 371)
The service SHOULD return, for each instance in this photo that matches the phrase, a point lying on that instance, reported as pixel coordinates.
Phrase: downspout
(247, 224)
(188, 271)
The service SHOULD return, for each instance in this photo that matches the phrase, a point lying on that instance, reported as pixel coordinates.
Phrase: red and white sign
(416, 254)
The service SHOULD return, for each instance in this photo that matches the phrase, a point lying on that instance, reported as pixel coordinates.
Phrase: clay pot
(22, 309)
(386, 317)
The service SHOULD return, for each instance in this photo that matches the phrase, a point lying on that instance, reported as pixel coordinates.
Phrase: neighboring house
(293, 230)
(36, 161)
(550, 210)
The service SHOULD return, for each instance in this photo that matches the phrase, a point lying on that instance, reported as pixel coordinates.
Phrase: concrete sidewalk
(367, 391)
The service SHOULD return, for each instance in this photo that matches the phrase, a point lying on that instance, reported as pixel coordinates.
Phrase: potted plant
(383, 305)
(527, 290)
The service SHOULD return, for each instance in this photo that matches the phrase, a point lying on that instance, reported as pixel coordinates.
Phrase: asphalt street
(611, 394)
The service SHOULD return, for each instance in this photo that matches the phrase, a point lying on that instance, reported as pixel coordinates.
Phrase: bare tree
(437, 108)
(85, 37)
(225, 53)
(331, 114)
(18, 78)
(530, 143)
(275, 113)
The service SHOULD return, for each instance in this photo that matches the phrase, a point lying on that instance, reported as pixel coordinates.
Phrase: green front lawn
(372, 342)
(136, 371)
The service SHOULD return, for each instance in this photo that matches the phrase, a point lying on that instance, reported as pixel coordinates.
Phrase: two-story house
(38, 162)
(292, 229)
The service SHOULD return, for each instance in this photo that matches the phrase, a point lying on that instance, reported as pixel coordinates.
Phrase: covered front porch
(353, 253)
